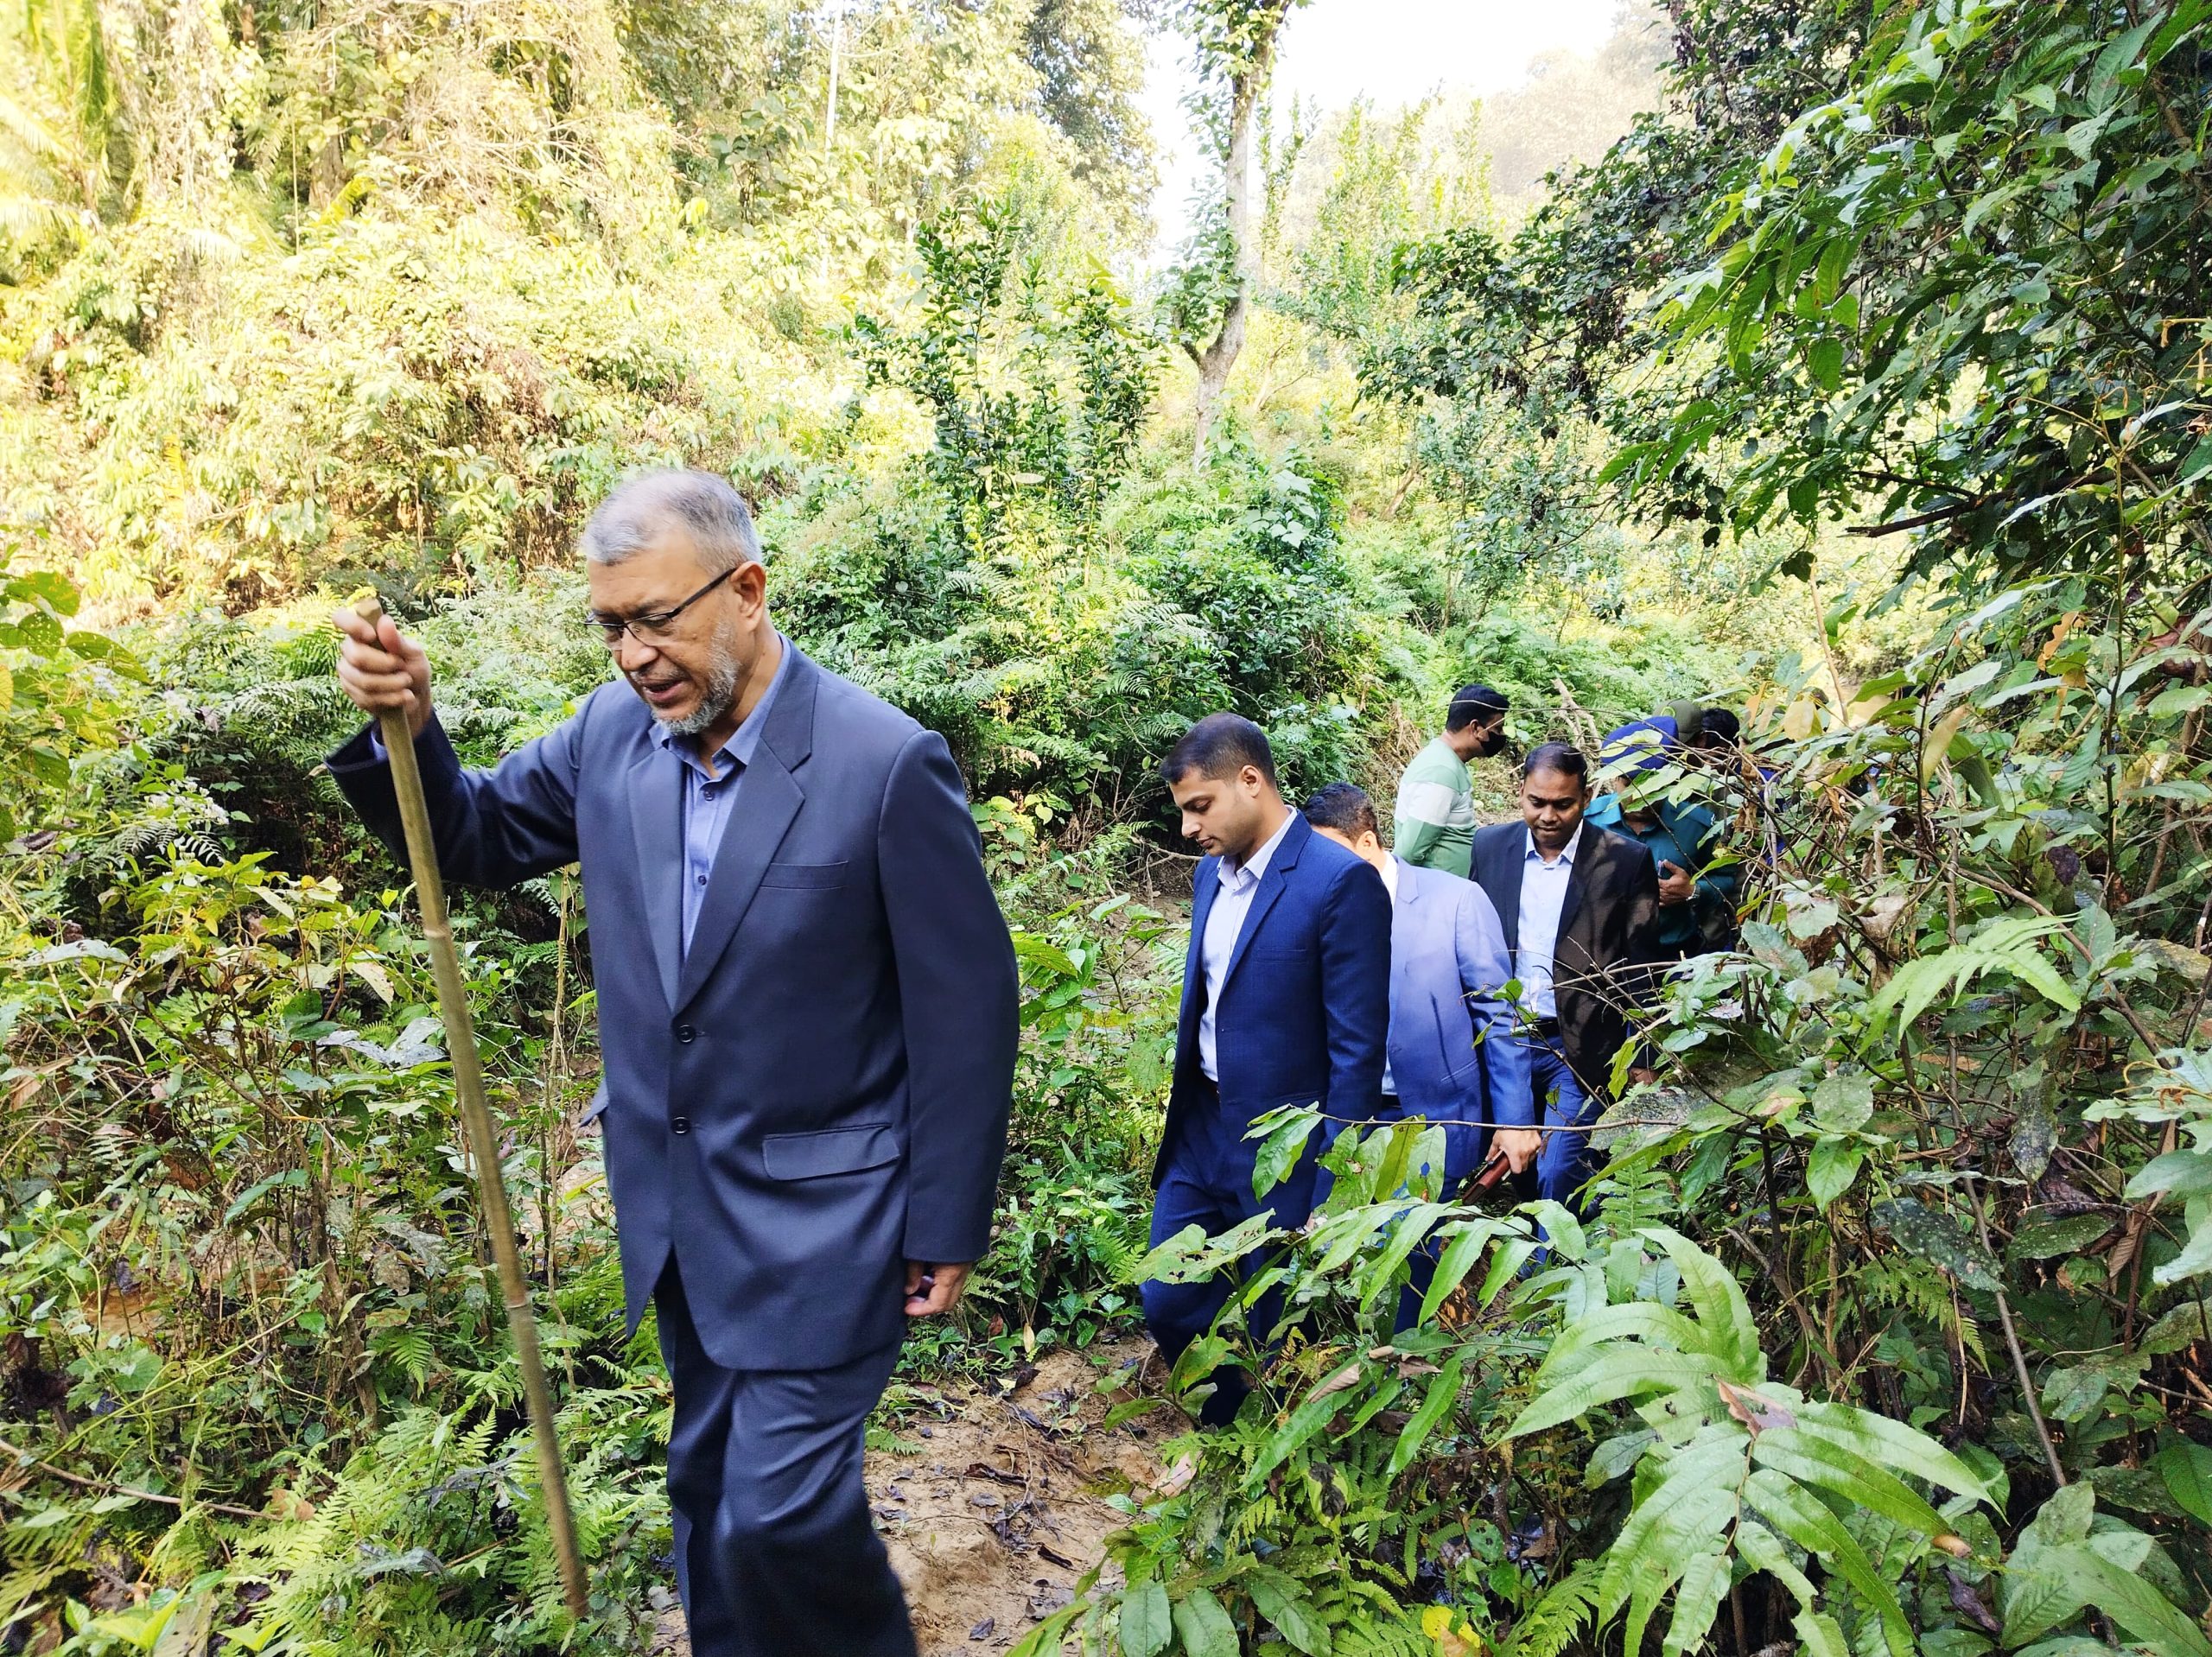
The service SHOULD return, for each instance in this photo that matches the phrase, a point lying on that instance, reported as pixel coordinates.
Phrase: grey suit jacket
(816, 1092)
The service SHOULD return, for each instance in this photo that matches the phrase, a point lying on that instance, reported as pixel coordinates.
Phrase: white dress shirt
(1391, 885)
(1543, 895)
(1223, 922)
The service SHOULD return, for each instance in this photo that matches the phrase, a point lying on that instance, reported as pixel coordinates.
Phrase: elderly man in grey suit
(807, 1004)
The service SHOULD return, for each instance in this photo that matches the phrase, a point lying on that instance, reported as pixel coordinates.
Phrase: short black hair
(1556, 756)
(1220, 745)
(1723, 727)
(1345, 807)
(1472, 703)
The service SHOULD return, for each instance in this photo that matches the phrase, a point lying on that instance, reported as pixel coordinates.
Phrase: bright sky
(1393, 51)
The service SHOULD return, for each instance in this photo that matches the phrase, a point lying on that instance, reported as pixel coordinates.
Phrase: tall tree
(1210, 294)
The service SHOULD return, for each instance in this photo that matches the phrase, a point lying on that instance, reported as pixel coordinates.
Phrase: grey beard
(721, 691)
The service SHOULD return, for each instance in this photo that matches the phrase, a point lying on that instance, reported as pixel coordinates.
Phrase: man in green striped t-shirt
(1435, 815)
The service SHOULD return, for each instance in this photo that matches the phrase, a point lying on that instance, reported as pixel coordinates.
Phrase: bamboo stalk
(468, 1091)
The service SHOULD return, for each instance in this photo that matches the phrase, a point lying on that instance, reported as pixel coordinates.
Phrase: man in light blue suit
(807, 1007)
(1453, 1058)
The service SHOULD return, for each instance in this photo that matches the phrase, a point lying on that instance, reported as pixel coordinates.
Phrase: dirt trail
(997, 1505)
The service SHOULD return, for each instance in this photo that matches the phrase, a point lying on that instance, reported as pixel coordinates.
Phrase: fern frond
(1551, 1624)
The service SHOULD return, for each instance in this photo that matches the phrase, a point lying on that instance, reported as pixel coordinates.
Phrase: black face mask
(1493, 744)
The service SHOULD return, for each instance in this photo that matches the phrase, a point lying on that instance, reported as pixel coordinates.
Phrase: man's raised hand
(1675, 885)
(380, 669)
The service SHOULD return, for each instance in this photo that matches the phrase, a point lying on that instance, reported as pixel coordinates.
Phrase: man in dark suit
(1286, 1002)
(1453, 1055)
(1580, 910)
(808, 1006)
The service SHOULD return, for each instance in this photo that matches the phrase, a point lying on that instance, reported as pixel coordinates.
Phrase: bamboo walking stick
(469, 1091)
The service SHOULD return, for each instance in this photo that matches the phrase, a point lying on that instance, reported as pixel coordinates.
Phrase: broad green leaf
(2182, 1174)
(1146, 1629)
(1805, 1521)
(2078, 1572)
(1279, 1151)
(1621, 1372)
(2046, 1236)
(1762, 1549)
(1293, 1617)
(2187, 1470)
(2195, 1257)
(1443, 1393)
(1891, 1443)
(1697, 1600)
(1830, 1168)
(1821, 1634)
(1938, 1238)
(1722, 1312)
(1817, 1461)
(1308, 1418)
(1204, 1627)
(1844, 1102)
(1459, 1258)
(1645, 1320)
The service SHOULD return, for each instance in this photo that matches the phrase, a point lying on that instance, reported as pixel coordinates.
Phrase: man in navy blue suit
(1286, 1002)
(807, 1006)
(1454, 1055)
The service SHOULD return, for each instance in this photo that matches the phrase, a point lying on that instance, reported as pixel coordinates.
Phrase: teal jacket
(1689, 837)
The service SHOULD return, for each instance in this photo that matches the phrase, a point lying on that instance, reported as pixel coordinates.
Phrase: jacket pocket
(805, 876)
(829, 1151)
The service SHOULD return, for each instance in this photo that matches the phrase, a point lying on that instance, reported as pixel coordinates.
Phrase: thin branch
(132, 1491)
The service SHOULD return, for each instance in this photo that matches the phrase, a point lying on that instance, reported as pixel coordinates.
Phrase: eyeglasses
(657, 628)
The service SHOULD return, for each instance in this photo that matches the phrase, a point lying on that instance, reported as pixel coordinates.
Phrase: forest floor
(995, 1502)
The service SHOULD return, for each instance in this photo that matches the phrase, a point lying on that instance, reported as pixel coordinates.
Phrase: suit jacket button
(680, 1125)
(685, 1032)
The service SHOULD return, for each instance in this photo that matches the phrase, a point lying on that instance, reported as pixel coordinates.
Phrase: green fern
(1550, 1625)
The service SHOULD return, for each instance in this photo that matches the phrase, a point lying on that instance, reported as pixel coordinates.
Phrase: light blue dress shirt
(1389, 885)
(1543, 895)
(707, 798)
(1223, 922)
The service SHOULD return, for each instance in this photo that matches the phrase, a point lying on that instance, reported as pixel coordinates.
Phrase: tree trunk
(1245, 88)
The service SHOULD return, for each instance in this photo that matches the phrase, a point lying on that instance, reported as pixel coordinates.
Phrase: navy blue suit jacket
(817, 1090)
(1454, 1057)
(1306, 1003)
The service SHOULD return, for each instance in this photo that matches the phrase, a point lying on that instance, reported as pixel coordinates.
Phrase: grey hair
(704, 505)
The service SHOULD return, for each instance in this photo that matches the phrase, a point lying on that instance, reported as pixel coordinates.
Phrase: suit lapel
(764, 803)
(1206, 883)
(655, 785)
(1271, 885)
(1500, 876)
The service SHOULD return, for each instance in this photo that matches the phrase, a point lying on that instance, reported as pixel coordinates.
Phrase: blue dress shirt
(707, 796)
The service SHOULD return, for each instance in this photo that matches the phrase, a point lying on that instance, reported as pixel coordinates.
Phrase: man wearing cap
(1697, 886)
(1434, 822)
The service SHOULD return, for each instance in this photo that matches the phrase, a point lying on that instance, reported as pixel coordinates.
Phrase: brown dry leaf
(1337, 1383)
(2117, 1256)
(1755, 1412)
(290, 1505)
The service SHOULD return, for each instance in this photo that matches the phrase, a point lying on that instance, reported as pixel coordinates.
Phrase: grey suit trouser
(775, 1552)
